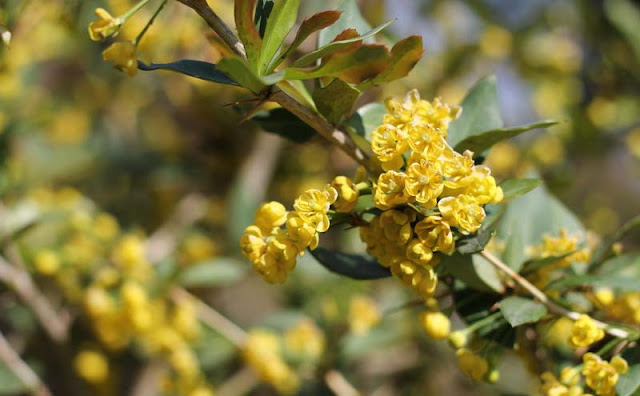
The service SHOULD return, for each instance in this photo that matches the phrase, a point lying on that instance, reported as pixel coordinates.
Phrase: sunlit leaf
(479, 142)
(629, 383)
(335, 100)
(405, 54)
(282, 19)
(309, 26)
(351, 18)
(516, 187)
(518, 311)
(475, 271)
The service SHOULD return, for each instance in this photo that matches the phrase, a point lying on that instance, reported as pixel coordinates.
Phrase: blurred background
(72, 125)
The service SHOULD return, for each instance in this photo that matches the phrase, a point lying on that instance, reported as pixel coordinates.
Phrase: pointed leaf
(480, 112)
(350, 18)
(247, 32)
(337, 46)
(482, 141)
(533, 265)
(518, 311)
(282, 19)
(404, 56)
(335, 100)
(629, 383)
(240, 71)
(283, 123)
(309, 26)
(516, 187)
(211, 273)
(474, 271)
(356, 66)
(194, 68)
(367, 118)
(474, 243)
(354, 266)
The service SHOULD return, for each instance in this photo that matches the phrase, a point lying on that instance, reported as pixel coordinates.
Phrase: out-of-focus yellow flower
(105, 226)
(363, 314)
(301, 233)
(472, 365)
(305, 340)
(92, 366)
(196, 248)
(436, 324)
(105, 26)
(419, 253)
(602, 376)
(47, 262)
(278, 260)
(419, 277)
(585, 332)
(262, 353)
(503, 158)
(123, 55)
(633, 142)
(458, 339)
(551, 386)
(495, 42)
(252, 244)
(347, 194)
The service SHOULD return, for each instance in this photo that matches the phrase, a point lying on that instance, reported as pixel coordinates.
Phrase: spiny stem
(543, 298)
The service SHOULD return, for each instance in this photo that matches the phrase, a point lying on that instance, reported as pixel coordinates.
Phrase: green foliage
(366, 119)
(263, 10)
(354, 266)
(480, 142)
(212, 273)
(516, 187)
(480, 112)
(315, 23)
(605, 247)
(618, 273)
(247, 32)
(518, 310)
(475, 271)
(351, 19)
(9, 383)
(194, 68)
(335, 100)
(629, 383)
(283, 123)
(404, 56)
(475, 243)
(281, 20)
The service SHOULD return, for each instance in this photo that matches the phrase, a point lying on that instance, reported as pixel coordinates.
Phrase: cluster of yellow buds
(363, 314)
(267, 352)
(624, 307)
(427, 192)
(272, 249)
(567, 384)
(472, 365)
(602, 376)
(585, 332)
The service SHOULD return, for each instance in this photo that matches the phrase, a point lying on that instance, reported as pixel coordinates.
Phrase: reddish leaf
(249, 35)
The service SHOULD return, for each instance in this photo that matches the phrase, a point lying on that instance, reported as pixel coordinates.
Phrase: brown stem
(21, 370)
(538, 294)
(20, 281)
(240, 383)
(339, 384)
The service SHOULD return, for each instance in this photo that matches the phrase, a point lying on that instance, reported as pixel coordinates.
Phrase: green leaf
(619, 273)
(354, 266)
(351, 18)
(516, 187)
(518, 311)
(480, 112)
(9, 383)
(479, 142)
(283, 123)
(473, 306)
(309, 26)
(629, 383)
(247, 32)
(335, 100)
(334, 46)
(367, 118)
(474, 243)
(605, 247)
(263, 11)
(625, 16)
(240, 71)
(194, 68)
(282, 19)
(475, 271)
(355, 66)
(405, 54)
(530, 266)
(216, 272)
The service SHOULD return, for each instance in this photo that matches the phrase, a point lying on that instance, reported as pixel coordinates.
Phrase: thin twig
(20, 281)
(240, 383)
(538, 294)
(146, 383)
(213, 318)
(21, 370)
(339, 384)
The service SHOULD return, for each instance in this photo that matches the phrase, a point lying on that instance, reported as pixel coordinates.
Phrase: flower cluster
(429, 193)
(273, 249)
(599, 375)
(585, 332)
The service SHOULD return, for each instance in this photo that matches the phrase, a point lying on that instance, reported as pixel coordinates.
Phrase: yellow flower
(462, 212)
(363, 314)
(418, 252)
(347, 194)
(424, 182)
(458, 339)
(261, 351)
(105, 26)
(301, 233)
(436, 324)
(123, 55)
(602, 376)
(278, 260)
(421, 278)
(305, 340)
(396, 225)
(312, 206)
(456, 165)
(389, 143)
(435, 233)
(471, 364)
(92, 366)
(551, 386)
(270, 215)
(98, 302)
(252, 244)
(585, 332)
(390, 190)
(47, 262)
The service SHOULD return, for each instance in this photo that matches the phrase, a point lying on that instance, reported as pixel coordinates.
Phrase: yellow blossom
(301, 233)
(312, 206)
(123, 55)
(390, 190)
(424, 182)
(435, 233)
(602, 376)
(363, 315)
(585, 332)
(92, 366)
(389, 143)
(105, 26)
(471, 364)
(47, 262)
(551, 386)
(396, 225)
(456, 165)
(305, 340)
(436, 324)
(462, 212)
(270, 215)
(278, 260)
(418, 252)
(347, 194)
(261, 351)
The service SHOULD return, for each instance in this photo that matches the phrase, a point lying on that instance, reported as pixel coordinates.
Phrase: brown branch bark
(21, 370)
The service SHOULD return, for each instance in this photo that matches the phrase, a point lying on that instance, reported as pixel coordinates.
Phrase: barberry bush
(415, 248)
